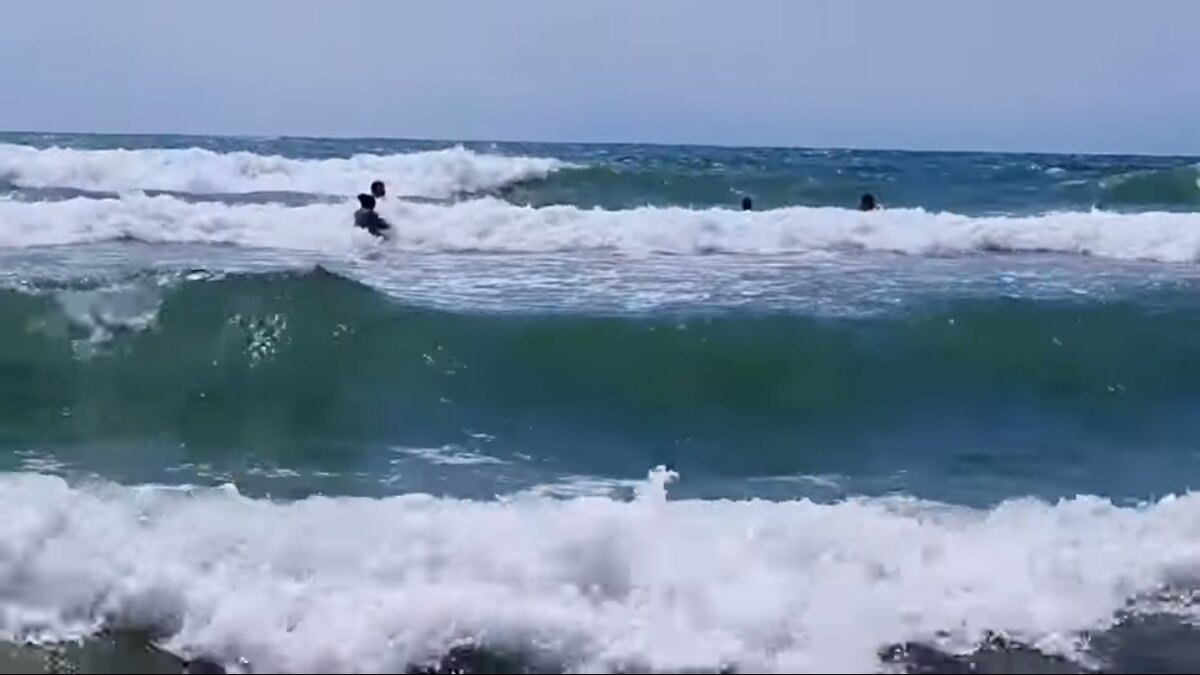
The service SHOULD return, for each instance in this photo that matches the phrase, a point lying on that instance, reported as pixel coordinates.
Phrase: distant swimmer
(366, 218)
(868, 203)
(747, 204)
(378, 191)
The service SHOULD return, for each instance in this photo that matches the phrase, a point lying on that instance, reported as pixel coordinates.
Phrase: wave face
(1149, 187)
(318, 372)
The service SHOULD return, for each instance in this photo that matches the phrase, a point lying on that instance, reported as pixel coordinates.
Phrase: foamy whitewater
(774, 586)
(494, 226)
(436, 173)
(580, 412)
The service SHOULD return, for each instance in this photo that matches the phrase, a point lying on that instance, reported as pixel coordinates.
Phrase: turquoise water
(581, 401)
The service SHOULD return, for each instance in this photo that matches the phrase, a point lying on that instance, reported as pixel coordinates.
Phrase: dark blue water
(628, 176)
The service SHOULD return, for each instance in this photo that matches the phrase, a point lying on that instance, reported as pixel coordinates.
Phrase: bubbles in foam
(373, 584)
(439, 173)
(496, 226)
(101, 313)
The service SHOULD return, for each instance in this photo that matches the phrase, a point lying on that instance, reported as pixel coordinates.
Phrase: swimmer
(747, 204)
(868, 203)
(378, 190)
(366, 218)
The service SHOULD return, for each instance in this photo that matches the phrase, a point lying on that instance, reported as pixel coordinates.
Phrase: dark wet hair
(378, 189)
(366, 201)
(867, 203)
(747, 204)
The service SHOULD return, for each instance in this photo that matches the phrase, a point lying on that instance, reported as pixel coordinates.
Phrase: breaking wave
(491, 225)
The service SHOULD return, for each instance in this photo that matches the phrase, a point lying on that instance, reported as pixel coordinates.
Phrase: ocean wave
(490, 225)
(1178, 186)
(372, 585)
(313, 371)
(615, 187)
(437, 173)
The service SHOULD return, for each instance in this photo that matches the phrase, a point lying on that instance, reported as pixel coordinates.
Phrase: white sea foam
(101, 313)
(494, 225)
(104, 311)
(440, 173)
(342, 584)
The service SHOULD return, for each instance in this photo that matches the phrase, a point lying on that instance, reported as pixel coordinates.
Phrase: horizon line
(688, 144)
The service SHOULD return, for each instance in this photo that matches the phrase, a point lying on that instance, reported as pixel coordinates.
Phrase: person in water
(366, 218)
(868, 203)
(378, 190)
(747, 204)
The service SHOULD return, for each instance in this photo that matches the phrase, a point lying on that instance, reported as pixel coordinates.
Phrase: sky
(1045, 75)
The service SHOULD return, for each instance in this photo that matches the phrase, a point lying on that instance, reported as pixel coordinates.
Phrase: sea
(581, 412)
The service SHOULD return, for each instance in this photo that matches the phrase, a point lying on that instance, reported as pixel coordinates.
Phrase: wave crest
(350, 585)
(490, 225)
(438, 173)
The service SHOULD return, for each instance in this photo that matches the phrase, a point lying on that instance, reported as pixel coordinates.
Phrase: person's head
(366, 201)
(378, 190)
(867, 203)
(747, 204)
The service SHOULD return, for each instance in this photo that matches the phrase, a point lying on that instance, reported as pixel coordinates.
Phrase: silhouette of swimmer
(868, 203)
(378, 190)
(747, 204)
(366, 218)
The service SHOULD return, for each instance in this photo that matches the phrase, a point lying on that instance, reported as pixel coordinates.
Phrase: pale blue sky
(1066, 75)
